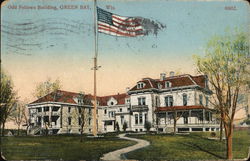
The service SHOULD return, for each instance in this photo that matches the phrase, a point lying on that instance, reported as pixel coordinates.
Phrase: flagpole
(95, 69)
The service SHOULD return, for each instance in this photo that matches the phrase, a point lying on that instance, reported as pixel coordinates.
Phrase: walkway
(116, 155)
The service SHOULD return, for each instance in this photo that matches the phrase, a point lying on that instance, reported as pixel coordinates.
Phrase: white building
(113, 109)
(59, 112)
(150, 100)
(155, 100)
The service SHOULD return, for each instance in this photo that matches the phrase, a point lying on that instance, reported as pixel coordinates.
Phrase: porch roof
(179, 108)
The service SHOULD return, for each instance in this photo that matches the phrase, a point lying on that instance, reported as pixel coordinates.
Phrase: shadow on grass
(192, 145)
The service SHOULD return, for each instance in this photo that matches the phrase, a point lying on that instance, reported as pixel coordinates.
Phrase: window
(80, 110)
(157, 101)
(106, 123)
(69, 121)
(105, 111)
(201, 99)
(69, 109)
(80, 101)
(128, 100)
(167, 84)
(146, 117)
(185, 120)
(140, 85)
(159, 85)
(206, 101)
(79, 121)
(89, 121)
(46, 108)
(141, 101)
(122, 120)
(169, 101)
(184, 99)
(39, 109)
(136, 119)
(89, 111)
(140, 118)
(120, 109)
(111, 103)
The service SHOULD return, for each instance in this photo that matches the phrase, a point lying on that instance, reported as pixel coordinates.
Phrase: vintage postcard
(125, 80)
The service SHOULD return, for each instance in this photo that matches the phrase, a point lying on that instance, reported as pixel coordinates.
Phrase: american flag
(116, 25)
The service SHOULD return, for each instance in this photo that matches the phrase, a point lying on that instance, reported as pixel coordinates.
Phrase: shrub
(213, 134)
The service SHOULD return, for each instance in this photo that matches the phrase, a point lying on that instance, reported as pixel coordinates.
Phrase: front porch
(188, 119)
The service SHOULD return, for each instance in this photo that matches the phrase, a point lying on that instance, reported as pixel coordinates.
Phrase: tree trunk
(18, 130)
(27, 130)
(229, 147)
(229, 134)
(3, 127)
(81, 135)
(175, 126)
(221, 129)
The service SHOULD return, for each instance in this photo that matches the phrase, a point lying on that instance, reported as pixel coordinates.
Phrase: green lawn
(60, 147)
(189, 147)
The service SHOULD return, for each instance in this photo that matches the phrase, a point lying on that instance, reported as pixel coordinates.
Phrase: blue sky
(60, 53)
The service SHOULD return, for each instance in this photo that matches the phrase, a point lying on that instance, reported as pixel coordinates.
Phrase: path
(116, 155)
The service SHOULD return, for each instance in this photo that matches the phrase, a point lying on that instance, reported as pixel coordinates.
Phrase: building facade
(183, 98)
(60, 112)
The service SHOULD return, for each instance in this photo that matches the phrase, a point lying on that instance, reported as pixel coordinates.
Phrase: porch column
(50, 112)
(166, 118)
(189, 116)
(42, 117)
(203, 115)
(61, 111)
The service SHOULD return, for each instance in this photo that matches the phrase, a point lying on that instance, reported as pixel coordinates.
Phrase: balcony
(56, 113)
(139, 108)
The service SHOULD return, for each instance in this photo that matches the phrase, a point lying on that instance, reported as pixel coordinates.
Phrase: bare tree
(176, 115)
(18, 115)
(7, 100)
(226, 64)
(44, 88)
(26, 120)
(84, 115)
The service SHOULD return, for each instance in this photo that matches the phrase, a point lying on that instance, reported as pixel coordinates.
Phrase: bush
(125, 126)
(247, 121)
(147, 125)
(213, 134)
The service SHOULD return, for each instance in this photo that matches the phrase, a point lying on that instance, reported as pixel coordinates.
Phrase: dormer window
(140, 85)
(127, 100)
(167, 84)
(159, 85)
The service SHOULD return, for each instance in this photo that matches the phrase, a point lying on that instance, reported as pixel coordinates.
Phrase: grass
(195, 146)
(60, 147)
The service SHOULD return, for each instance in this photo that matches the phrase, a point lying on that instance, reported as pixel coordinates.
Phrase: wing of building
(60, 112)
(156, 101)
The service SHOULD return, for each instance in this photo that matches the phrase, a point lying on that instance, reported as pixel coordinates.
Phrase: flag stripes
(116, 25)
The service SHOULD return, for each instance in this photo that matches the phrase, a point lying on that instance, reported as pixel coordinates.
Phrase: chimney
(162, 76)
(171, 74)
